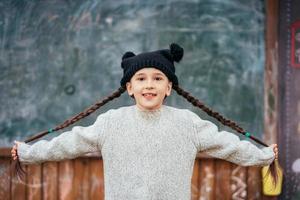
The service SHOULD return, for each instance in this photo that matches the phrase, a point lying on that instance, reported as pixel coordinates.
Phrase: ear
(128, 54)
(129, 88)
(169, 88)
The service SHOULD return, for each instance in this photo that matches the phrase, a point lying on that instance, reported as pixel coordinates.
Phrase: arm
(67, 145)
(228, 146)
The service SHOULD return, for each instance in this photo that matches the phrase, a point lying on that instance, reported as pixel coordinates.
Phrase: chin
(150, 107)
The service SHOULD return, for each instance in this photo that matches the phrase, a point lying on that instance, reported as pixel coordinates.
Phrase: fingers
(275, 149)
(13, 151)
(14, 155)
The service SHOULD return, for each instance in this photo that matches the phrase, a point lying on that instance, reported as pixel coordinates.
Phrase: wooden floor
(82, 178)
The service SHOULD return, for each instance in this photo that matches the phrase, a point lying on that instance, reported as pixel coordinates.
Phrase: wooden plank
(34, 183)
(195, 181)
(81, 179)
(50, 180)
(5, 184)
(65, 180)
(207, 182)
(254, 183)
(238, 182)
(96, 177)
(5, 152)
(271, 95)
(18, 186)
(222, 179)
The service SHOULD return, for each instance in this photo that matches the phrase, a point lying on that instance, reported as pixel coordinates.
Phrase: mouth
(149, 95)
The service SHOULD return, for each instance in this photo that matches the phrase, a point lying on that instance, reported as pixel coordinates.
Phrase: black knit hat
(160, 59)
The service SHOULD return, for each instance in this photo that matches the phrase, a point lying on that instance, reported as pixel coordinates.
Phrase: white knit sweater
(147, 154)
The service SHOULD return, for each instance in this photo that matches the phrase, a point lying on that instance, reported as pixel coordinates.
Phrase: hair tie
(247, 134)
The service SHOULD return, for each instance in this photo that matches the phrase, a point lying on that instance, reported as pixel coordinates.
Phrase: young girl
(148, 148)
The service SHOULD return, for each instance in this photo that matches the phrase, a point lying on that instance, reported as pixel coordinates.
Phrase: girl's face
(149, 86)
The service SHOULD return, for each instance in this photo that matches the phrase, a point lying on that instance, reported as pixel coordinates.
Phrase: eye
(140, 79)
(158, 78)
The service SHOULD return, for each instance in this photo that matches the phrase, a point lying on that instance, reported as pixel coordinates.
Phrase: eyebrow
(157, 73)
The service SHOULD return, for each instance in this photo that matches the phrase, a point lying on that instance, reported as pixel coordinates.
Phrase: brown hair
(272, 169)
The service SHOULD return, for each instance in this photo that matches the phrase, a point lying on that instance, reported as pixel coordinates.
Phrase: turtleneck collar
(149, 114)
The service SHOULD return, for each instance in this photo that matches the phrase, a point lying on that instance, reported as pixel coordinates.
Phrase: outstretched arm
(67, 145)
(228, 146)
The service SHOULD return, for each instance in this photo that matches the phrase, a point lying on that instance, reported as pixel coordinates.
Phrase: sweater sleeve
(67, 145)
(228, 146)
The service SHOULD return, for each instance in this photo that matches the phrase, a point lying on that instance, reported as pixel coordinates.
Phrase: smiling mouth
(149, 95)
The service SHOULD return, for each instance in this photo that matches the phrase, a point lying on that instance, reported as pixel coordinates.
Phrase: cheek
(137, 89)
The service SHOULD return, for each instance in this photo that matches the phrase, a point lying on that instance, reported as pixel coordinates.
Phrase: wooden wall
(82, 178)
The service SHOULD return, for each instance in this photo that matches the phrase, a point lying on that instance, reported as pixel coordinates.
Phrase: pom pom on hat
(176, 51)
(128, 54)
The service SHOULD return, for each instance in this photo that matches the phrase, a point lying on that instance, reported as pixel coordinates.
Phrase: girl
(148, 148)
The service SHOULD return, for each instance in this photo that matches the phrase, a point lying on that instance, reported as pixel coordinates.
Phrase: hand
(14, 150)
(275, 149)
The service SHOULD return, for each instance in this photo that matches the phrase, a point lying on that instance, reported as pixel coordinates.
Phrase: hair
(197, 103)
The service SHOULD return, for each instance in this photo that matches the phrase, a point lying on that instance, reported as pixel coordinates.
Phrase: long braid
(226, 122)
(16, 165)
(214, 114)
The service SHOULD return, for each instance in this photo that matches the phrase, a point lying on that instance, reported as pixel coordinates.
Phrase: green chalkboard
(59, 57)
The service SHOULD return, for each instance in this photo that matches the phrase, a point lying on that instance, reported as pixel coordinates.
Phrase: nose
(149, 84)
(149, 87)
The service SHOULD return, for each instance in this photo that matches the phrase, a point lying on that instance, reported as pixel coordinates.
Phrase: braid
(81, 115)
(214, 114)
(17, 165)
(226, 122)
(210, 112)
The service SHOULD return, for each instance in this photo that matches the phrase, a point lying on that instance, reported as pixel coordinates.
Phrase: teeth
(149, 95)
